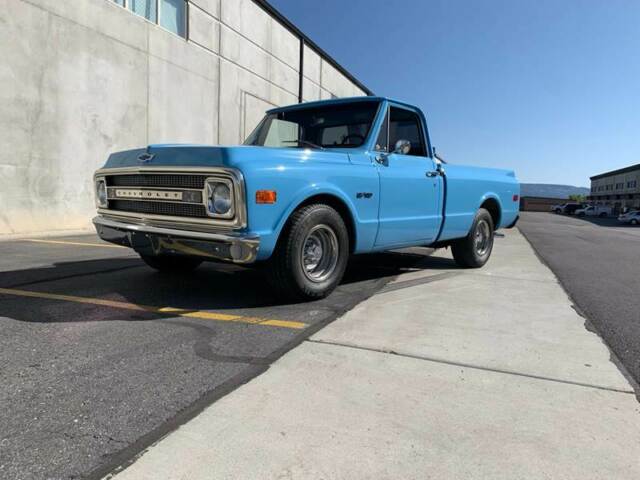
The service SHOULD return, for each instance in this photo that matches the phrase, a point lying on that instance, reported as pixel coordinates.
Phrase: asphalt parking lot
(597, 260)
(100, 356)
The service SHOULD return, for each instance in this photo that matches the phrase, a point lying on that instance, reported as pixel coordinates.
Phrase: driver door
(410, 191)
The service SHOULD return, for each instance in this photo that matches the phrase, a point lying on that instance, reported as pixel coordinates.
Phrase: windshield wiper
(304, 143)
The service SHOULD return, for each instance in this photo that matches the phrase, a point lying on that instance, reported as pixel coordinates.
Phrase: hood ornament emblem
(145, 157)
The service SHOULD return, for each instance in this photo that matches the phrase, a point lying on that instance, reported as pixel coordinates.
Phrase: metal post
(301, 73)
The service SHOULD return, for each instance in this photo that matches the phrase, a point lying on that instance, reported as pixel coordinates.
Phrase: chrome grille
(157, 180)
(159, 208)
(126, 189)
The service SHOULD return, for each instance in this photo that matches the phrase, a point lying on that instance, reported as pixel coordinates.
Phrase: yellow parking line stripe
(79, 244)
(179, 312)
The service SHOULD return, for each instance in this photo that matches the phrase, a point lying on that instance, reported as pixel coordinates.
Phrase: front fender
(293, 202)
(311, 191)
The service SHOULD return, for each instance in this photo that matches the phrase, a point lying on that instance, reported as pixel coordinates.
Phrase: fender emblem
(145, 157)
(364, 195)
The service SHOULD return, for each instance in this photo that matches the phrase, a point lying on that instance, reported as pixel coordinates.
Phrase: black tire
(171, 263)
(634, 222)
(468, 252)
(558, 211)
(308, 227)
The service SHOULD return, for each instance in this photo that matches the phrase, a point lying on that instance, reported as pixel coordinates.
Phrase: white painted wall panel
(212, 7)
(68, 98)
(204, 29)
(248, 55)
(312, 65)
(183, 107)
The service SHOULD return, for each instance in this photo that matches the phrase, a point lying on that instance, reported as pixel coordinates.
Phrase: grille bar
(159, 208)
(157, 180)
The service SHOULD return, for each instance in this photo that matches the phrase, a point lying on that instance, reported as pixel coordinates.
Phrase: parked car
(569, 208)
(632, 217)
(594, 211)
(313, 184)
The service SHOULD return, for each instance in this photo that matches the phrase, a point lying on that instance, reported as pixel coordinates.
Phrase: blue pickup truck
(313, 184)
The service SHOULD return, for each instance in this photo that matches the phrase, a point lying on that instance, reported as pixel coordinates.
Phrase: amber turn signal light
(266, 196)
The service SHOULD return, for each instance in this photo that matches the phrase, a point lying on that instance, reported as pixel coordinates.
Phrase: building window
(632, 184)
(619, 186)
(145, 8)
(169, 14)
(173, 16)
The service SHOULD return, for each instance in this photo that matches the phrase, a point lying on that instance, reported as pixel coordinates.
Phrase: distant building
(539, 204)
(617, 189)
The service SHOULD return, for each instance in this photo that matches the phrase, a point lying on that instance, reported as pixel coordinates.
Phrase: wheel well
(493, 207)
(339, 206)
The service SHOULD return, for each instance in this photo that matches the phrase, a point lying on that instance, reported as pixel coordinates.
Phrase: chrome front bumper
(153, 240)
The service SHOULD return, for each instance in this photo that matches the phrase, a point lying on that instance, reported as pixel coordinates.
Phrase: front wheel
(474, 250)
(311, 255)
(171, 264)
(634, 222)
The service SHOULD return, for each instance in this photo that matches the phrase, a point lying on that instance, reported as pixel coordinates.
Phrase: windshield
(331, 126)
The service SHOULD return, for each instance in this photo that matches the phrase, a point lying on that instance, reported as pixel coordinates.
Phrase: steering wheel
(352, 135)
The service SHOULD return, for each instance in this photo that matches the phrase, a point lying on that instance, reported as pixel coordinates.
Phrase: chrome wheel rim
(482, 240)
(319, 255)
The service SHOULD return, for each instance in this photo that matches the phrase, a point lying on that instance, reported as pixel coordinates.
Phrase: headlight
(219, 198)
(102, 200)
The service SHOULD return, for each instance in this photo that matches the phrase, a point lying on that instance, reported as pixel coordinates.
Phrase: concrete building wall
(85, 78)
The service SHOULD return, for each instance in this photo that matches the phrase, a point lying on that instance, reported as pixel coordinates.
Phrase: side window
(405, 125)
(382, 141)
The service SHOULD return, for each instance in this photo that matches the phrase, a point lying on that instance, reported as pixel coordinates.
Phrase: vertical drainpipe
(301, 73)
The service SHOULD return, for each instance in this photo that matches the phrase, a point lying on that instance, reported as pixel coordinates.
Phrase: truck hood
(213, 156)
(170, 156)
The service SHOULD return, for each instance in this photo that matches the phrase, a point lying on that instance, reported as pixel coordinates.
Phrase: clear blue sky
(549, 88)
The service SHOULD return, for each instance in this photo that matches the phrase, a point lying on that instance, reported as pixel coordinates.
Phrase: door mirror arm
(402, 147)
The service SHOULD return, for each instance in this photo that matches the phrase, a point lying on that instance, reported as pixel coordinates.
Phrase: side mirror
(402, 147)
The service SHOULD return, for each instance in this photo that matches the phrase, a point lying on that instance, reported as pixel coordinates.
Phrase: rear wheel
(474, 250)
(634, 222)
(170, 263)
(311, 255)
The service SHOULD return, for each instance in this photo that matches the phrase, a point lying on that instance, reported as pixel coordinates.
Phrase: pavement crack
(418, 281)
(471, 366)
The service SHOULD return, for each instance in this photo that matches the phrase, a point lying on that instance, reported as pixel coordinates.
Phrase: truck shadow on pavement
(223, 288)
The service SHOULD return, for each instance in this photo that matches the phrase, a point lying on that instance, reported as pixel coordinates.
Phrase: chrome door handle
(432, 174)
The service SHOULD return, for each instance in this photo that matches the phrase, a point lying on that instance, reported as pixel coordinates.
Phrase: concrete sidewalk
(445, 374)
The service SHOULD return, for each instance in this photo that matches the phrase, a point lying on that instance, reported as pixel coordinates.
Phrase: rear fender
(496, 197)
